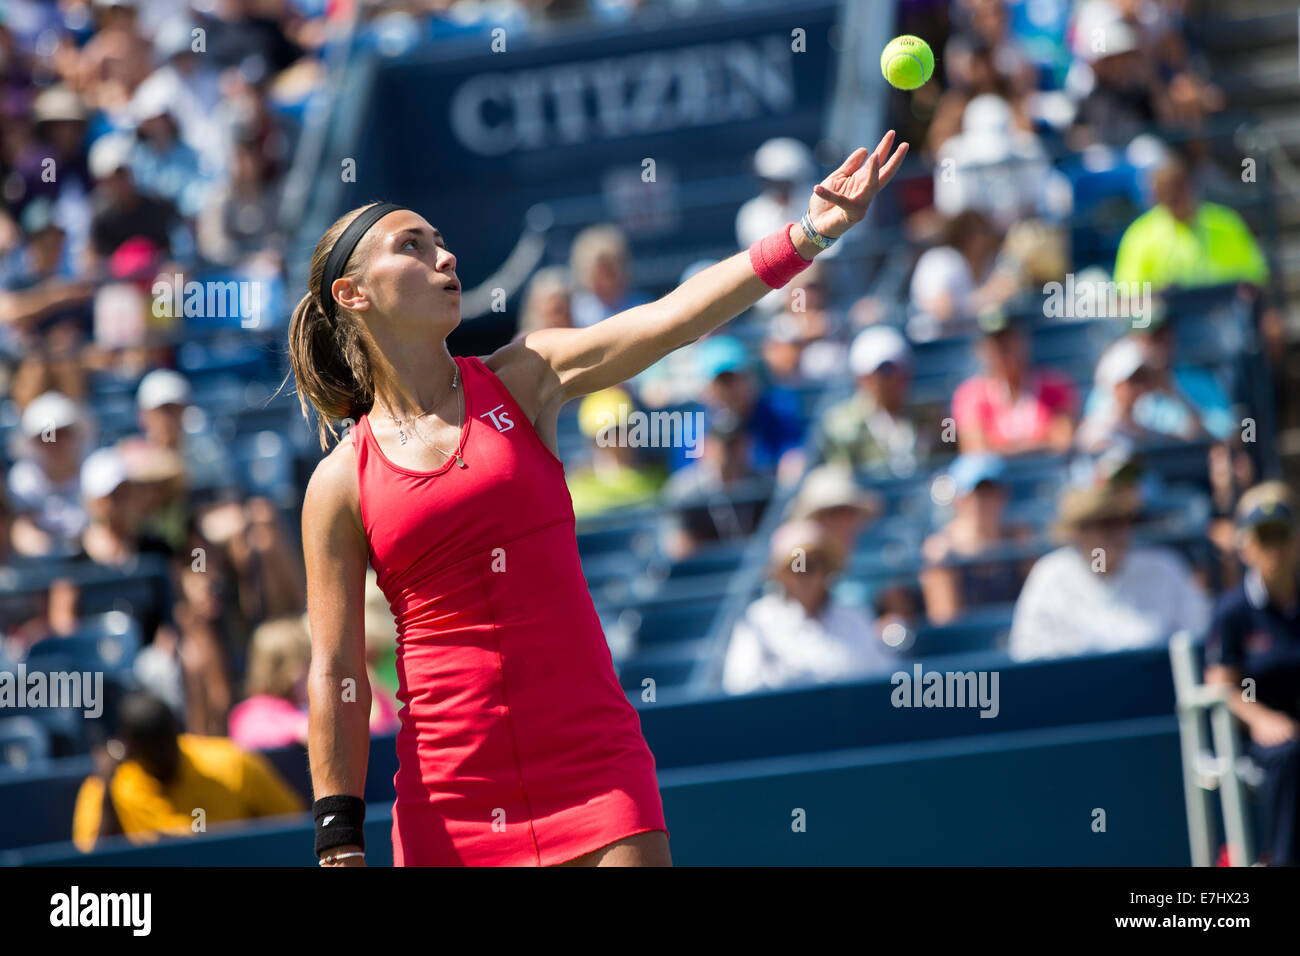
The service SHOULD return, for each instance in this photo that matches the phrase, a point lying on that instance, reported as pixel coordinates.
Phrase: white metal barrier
(1211, 761)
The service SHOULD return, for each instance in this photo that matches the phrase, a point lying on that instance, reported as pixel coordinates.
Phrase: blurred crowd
(1080, 159)
(139, 140)
(145, 139)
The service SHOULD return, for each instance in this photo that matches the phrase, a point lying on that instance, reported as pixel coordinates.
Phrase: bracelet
(822, 242)
(335, 857)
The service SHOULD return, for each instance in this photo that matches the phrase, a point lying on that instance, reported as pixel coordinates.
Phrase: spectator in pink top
(1013, 408)
(275, 712)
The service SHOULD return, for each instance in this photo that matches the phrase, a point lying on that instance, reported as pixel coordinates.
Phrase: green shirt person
(1185, 242)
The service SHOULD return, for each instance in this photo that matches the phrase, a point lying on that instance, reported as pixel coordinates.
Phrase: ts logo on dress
(498, 419)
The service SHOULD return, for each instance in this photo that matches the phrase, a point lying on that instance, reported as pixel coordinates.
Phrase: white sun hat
(161, 387)
(50, 410)
(102, 472)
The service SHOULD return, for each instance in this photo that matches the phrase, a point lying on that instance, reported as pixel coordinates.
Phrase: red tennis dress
(517, 744)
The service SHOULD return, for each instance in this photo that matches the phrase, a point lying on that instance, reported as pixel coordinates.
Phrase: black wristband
(340, 821)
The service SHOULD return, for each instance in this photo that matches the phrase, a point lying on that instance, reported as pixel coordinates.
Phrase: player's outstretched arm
(554, 365)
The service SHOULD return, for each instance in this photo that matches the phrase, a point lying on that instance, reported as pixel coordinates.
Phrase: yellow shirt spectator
(213, 775)
(614, 479)
(1216, 246)
(594, 493)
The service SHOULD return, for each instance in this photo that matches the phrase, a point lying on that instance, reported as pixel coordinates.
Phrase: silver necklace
(460, 404)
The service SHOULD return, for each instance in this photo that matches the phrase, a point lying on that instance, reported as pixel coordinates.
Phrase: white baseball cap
(986, 113)
(51, 410)
(875, 346)
(110, 153)
(1118, 38)
(102, 472)
(784, 159)
(161, 387)
(1120, 362)
(153, 98)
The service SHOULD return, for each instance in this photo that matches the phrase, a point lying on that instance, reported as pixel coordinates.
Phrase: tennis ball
(907, 62)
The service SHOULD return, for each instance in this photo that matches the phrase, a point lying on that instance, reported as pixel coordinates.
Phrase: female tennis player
(517, 745)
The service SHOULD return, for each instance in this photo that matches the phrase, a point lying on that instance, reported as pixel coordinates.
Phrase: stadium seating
(107, 641)
(977, 629)
(23, 741)
(144, 587)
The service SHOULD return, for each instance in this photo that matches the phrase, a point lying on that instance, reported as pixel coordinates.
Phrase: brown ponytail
(328, 358)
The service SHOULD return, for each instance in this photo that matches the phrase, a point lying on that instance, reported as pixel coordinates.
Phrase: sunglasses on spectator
(1271, 535)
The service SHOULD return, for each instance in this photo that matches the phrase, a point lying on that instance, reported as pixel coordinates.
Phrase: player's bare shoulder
(524, 368)
(332, 491)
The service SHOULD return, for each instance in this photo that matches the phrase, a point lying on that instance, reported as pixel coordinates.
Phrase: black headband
(342, 250)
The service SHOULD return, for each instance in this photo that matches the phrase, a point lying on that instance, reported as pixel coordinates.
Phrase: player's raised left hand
(841, 199)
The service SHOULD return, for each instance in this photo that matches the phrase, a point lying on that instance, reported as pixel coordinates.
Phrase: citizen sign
(569, 103)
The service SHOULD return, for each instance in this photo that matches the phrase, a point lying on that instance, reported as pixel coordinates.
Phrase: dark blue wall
(880, 783)
(1010, 799)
